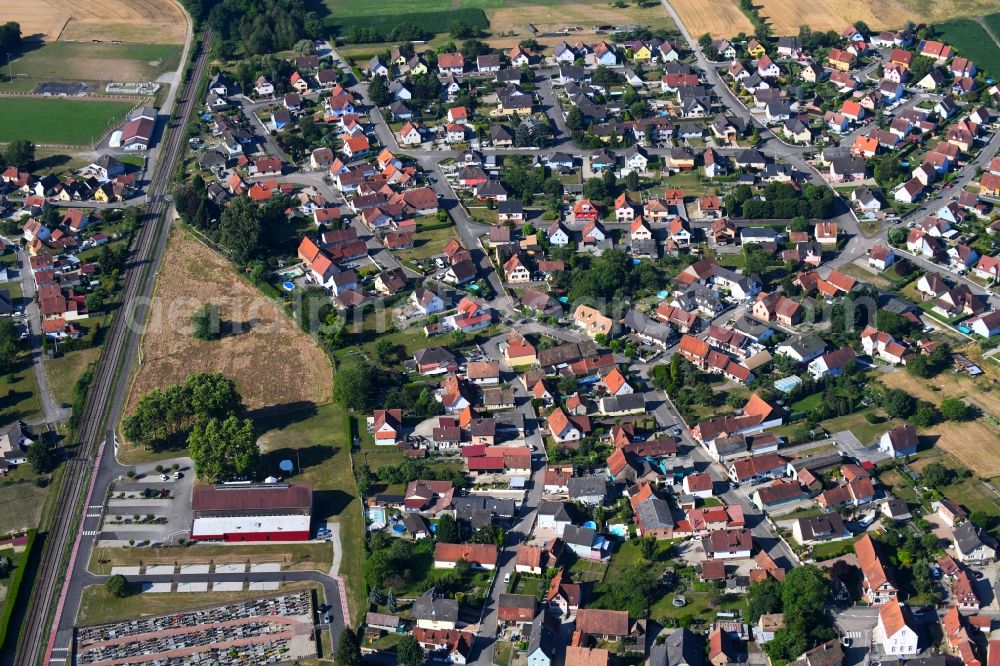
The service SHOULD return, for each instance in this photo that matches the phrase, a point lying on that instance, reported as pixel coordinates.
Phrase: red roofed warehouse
(251, 512)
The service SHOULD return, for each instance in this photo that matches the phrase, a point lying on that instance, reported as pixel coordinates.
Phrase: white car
(506, 578)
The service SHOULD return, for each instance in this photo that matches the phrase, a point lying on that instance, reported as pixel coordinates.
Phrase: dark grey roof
(654, 513)
(640, 323)
(968, 537)
(427, 607)
(510, 207)
(806, 345)
(544, 636)
(558, 510)
(824, 526)
(433, 355)
(491, 188)
(579, 536)
(587, 486)
(504, 508)
(623, 403)
(681, 647)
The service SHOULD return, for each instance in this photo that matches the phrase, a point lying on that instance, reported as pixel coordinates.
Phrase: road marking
(89, 532)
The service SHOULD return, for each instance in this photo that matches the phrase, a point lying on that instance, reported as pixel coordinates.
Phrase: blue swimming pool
(288, 286)
(617, 530)
(398, 528)
(377, 516)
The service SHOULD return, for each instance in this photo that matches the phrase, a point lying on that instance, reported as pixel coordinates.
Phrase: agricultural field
(77, 61)
(507, 20)
(192, 275)
(974, 444)
(54, 120)
(125, 20)
(786, 16)
(719, 19)
(972, 41)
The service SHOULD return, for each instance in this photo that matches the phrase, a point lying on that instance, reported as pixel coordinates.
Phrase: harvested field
(786, 16)
(272, 361)
(719, 19)
(84, 61)
(159, 21)
(553, 15)
(38, 19)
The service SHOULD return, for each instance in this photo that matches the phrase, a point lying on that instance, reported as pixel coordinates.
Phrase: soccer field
(60, 121)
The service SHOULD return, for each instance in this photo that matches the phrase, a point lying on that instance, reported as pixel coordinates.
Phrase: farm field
(786, 16)
(272, 361)
(972, 41)
(55, 120)
(507, 19)
(77, 61)
(719, 19)
(106, 20)
(38, 19)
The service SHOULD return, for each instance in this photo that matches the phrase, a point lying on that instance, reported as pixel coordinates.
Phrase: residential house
(896, 632)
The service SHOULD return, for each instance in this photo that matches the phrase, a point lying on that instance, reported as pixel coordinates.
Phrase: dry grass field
(975, 444)
(552, 15)
(720, 19)
(272, 361)
(785, 16)
(150, 21)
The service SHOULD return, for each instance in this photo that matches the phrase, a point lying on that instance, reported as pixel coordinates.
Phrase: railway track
(43, 614)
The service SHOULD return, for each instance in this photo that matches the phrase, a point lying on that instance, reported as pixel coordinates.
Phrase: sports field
(84, 61)
(60, 121)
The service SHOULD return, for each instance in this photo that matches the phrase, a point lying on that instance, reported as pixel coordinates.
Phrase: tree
(10, 37)
(43, 456)
(956, 409)
(8, 345)
(409, 652)
(447, 530)
(898, 404)
(205, 322)
(349, 649)
(21, 154)
(211, 395)
(632, 180)
(648, 547)
(224, 450)
(925, 415)
(378, 91)
(897, 236)
(575, 120)
(764, 597)
(936, 475)
(356, 385)
(386, 352)
(117, 586)
(241, 230)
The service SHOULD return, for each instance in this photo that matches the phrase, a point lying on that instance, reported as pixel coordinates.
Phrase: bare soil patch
(719, 19)
(151, 21)
(272, 361)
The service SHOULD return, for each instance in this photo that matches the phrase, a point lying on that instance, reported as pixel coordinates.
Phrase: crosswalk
(90, 533)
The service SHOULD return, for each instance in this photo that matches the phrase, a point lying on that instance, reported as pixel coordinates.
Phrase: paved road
(52, 411)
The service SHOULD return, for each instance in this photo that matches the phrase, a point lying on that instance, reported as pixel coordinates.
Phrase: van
(506, 578)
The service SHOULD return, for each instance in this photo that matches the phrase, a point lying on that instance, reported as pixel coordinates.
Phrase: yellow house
(642, 53)
(519, 351)
(419, 68)
(592, 321)
(101, 195)
(755, 48)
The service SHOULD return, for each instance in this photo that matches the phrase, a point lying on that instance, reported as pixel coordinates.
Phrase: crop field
(719, 19)
(272, 361)
(78, 61)
(160, 21)
(507, 20)
(786, 16)
(38, 19)
(58, 121)
(972, 41)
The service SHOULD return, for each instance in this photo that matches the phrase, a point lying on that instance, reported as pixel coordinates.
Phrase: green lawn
(320, 442)
(826, 551)
(426, 244)
(19, 393)
(57, 120)
(20, 500)
(856, 423)
(62, 373)
(808, 403)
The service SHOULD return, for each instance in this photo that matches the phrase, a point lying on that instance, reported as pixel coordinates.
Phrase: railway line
(44, 615)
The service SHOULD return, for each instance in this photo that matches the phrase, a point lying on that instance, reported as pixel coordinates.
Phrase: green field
(58, 121)
(972, 41)
(84, 61)
(429, 15)
(993, 22)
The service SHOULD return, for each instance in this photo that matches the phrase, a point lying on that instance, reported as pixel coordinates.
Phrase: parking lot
(154, 507)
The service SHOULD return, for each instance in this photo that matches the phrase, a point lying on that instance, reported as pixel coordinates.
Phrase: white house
(895, 633)
(972, 546)
(553, 516)
(900, 441)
